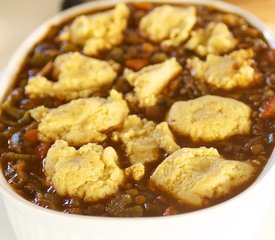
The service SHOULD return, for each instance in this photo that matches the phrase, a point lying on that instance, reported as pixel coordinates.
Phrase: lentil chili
(22, 153)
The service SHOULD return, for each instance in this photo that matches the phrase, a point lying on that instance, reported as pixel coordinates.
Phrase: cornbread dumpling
(226, 72)
(82, 120)
(210, 118)
(89, 173)
(215, 39)
(197, 175)
(135, 171)
(78, 76)
(99, 31)
(168, 24)
(137, 136)
(164, 138)
(150, 81)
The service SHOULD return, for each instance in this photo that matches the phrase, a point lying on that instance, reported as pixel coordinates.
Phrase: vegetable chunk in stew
(140, 110)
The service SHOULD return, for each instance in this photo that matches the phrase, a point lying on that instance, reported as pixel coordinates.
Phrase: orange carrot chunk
(42, 150)
(31, 135)
(143, 6)
(267, 110)
(136, 64)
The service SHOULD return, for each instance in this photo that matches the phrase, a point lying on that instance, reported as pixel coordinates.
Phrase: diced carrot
(169, 211)
(31, 135)
(267, 110)
(137, 63)
(42, 150)
(143, 6)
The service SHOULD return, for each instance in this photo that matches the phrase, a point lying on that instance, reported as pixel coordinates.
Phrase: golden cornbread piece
(135, 171)
(226, 72)
(210, 118)
(99, 31)
(78, 76)
(137, 136)
(82, 120)
(215, 39)
(197, 175)
(165, 139)
(90, 173)
(150, 81)
(168, 24)
(143, 139)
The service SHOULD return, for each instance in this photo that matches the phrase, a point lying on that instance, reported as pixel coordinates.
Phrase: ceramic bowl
(237, 218)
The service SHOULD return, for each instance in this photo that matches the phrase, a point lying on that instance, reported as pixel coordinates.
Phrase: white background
(20, 17)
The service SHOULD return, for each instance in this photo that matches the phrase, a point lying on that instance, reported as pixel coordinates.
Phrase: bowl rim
(18, 58)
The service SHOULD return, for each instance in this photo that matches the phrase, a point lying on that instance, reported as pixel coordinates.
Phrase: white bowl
(237, 218)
